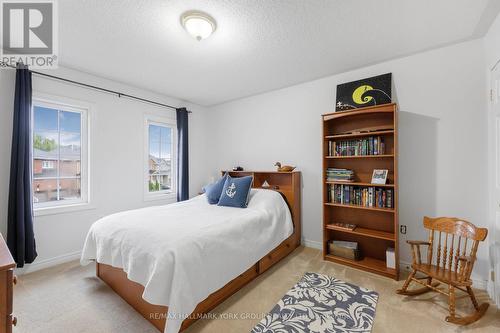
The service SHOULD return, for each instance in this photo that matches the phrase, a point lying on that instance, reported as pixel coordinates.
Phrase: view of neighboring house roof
(66, 153)
(160, 166)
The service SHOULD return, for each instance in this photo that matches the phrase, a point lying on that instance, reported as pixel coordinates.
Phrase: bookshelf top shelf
(359, 135)
(384, 108)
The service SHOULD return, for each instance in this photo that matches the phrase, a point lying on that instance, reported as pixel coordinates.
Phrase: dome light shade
(198, 24)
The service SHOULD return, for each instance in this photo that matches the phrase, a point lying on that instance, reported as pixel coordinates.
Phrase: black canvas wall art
(366, 92)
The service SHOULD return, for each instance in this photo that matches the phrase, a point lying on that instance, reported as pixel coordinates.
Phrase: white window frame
(165, 122)
(64, 104)
(47, 164)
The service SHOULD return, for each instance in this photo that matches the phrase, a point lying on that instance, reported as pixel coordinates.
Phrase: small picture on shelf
(379, 176)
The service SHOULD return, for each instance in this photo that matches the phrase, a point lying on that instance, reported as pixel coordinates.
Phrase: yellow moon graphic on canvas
(356, 95)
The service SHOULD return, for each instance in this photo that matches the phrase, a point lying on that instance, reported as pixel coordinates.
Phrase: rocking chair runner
(452, 265)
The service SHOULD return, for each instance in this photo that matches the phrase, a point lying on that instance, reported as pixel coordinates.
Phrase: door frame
(494, 165)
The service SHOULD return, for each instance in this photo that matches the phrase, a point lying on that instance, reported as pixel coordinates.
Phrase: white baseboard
(312, 244)
(479, 284)
(491, 292)
(404, 266)
(38, 265)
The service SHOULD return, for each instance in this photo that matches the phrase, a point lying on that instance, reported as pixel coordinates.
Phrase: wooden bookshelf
(377, 227)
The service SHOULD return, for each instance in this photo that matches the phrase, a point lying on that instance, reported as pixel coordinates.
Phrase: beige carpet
(69, 298)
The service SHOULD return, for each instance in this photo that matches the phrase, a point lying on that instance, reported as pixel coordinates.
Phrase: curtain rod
(86, 85)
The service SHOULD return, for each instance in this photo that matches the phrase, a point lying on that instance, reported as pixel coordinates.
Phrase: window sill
(62, 209)
(161, 196)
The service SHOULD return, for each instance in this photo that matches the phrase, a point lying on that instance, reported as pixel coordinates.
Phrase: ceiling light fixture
(198, 24)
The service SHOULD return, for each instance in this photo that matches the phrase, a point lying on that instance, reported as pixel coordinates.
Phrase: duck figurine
(284, 168)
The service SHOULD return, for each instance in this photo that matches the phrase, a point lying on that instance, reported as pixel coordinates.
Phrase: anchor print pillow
(235, 192)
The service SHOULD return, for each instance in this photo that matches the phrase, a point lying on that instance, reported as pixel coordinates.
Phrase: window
(47, 164)
(160, 157)
(59, 154)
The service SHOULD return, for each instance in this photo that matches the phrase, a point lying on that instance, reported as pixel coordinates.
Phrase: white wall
(443, 135)
(116, 157)
(492, 55)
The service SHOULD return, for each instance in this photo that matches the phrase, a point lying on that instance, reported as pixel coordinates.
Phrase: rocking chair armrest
(415, 250)
(416, 242)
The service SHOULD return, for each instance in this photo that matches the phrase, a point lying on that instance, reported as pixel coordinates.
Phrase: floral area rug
(321, 304)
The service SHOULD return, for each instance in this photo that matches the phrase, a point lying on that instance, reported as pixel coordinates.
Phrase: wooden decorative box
(348, 250)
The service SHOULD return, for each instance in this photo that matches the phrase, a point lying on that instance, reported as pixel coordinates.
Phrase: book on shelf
(344, 226)
(373, 145)
(365, 196)
(341, 175)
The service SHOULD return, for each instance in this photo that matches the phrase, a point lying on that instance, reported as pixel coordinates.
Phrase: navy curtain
(20, 236)
(182, 155)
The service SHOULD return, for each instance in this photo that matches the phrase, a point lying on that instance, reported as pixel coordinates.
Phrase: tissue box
(390, 258)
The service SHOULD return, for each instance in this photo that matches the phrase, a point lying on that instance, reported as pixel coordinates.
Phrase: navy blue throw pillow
(235, 192)
(214, 190)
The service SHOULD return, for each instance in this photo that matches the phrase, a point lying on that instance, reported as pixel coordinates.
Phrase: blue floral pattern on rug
(321, 304)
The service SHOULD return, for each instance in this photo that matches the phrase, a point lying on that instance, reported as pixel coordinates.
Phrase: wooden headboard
(287, 183)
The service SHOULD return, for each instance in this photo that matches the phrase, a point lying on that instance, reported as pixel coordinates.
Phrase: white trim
(312, 244)
(150, 119)
(43, 211)
(42, 264)
(491, 292)
(403, 266)
(84, 109)
(493, 287)
(160, 196)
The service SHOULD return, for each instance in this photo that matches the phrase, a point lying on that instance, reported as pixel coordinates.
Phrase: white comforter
(183, 252)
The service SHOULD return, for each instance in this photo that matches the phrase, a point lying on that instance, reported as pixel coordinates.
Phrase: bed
(173, 267)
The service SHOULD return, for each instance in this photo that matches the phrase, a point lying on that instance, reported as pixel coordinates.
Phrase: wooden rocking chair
(452, 265)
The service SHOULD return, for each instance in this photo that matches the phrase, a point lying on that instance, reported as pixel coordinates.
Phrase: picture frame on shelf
(379, 176)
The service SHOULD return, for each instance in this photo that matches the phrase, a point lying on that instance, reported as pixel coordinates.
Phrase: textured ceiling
(259, 45)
